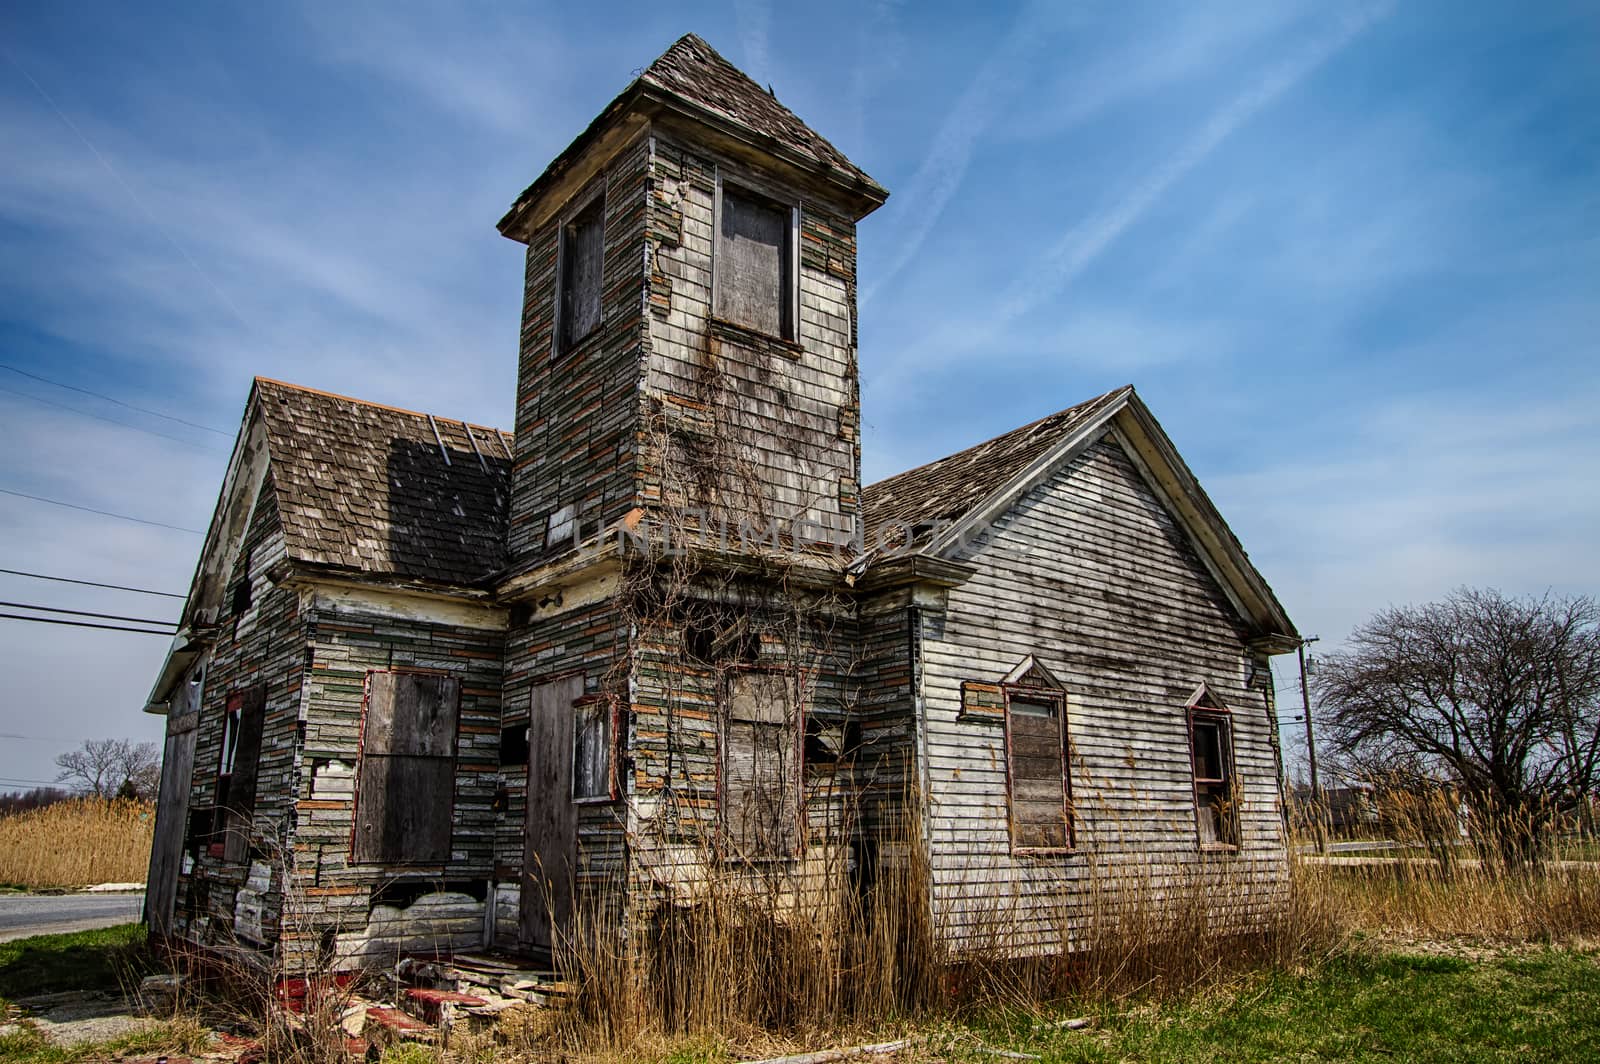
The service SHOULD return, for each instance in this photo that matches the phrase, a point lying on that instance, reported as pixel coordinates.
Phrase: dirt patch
(71, 1017)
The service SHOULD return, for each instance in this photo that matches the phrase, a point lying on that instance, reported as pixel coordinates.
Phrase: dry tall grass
(77, 843)
(1448, 878)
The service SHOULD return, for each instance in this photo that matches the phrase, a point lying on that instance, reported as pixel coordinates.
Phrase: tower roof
(693, 80)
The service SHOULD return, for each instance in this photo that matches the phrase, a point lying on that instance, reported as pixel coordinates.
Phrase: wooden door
(550, 844)
(172, 818)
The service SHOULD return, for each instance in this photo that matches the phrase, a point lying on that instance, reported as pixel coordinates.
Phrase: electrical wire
(119, 402)
(83, 613)
(84, 624)
(110, 420)
(92, 583)
(102, 513)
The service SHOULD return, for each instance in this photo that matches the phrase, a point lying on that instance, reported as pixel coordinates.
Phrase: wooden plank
(172, 816)
(551, 833)
(412, 713)
(751, 268)
(403, 807)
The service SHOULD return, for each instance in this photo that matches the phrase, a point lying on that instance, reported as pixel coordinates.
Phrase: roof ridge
(376, 405)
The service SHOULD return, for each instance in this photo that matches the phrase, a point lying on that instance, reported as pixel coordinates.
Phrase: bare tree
(109, 768)
(1499, 696)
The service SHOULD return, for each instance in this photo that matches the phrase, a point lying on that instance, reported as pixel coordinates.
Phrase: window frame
(1229, 837)
(1058, 700)
(560, 344)
(607, 714)
(796, 742)
(789, 258)
(233, 810)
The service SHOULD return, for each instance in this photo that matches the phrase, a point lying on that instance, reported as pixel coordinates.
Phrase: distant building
(441, 685)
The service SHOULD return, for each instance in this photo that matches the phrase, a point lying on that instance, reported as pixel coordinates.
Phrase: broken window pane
(754, 274)
(582, 261)
(1213, 779)
(406, 790)
(237, 764)
(1036, 742)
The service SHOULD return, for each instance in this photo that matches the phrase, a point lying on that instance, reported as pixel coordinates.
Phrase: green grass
(28, 1046)
(1543, 1006)
(84, 960)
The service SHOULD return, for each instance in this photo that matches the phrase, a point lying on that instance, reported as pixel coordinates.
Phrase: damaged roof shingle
(369, 488)
(945, 490)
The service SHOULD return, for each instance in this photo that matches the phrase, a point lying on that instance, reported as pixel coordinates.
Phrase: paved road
(22, 915)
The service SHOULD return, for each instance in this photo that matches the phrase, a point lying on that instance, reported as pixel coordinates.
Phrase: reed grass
(79, 842)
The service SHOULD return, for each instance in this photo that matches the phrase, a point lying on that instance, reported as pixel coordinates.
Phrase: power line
(102, 513)
(92, 583)
(119, 402)
(108, 420)
(83, 624)
(82, 613)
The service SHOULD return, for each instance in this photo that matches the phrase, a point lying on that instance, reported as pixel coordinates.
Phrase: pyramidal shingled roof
(694, 71)
(694, 78)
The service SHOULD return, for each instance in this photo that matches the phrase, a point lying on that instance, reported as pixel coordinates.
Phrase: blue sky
(1348, 254)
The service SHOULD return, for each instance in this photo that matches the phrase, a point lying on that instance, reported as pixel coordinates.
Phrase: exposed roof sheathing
(367, 488)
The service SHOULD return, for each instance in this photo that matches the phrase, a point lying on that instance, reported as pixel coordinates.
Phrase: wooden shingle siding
(260, 648)
(1090, 574)
(577, 415)
(772, 425)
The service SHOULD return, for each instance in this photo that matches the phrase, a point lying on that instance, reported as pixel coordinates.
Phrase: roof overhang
(185, 650)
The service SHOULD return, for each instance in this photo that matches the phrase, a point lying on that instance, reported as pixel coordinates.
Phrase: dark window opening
(1036, 749)
(1216, 803)
(237, 764)
(755, 263)
(760, 768)
(514, 745)
(239, 601)
(719, 637)
(582, 261)
(591, 749)
(405, 788)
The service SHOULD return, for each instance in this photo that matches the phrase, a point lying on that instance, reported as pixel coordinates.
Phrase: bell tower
(688, 333)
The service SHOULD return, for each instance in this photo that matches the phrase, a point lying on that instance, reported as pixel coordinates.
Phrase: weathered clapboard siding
(340, 894)
(587, 642)
(1091, 575)
(259, 646)
(578, 413)
(770, 425)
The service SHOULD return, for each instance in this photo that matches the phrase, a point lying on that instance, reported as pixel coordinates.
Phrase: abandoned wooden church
(438, 687)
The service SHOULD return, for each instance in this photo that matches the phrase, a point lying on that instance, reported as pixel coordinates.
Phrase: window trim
(797, 741)
(577, 209)
(1208, 708)
(1058, 698)
(756, 190)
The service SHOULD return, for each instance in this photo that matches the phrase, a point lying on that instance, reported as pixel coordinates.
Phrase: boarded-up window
(582, 261)
(754, 266)
(1211, 744)
(760, 768)
(591, 749)
(406, 790)
(1036, 744)
(237, 764)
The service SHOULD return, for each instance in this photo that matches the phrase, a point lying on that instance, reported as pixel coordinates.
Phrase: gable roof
(978, 484)
(380, 491)
(693, 78)
(947, 489)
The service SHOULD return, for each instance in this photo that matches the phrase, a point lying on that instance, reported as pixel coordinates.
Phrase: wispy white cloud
(1086, 240)
(753, 19)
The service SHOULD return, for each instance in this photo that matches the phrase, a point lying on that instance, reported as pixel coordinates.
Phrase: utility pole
(1311, 748)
